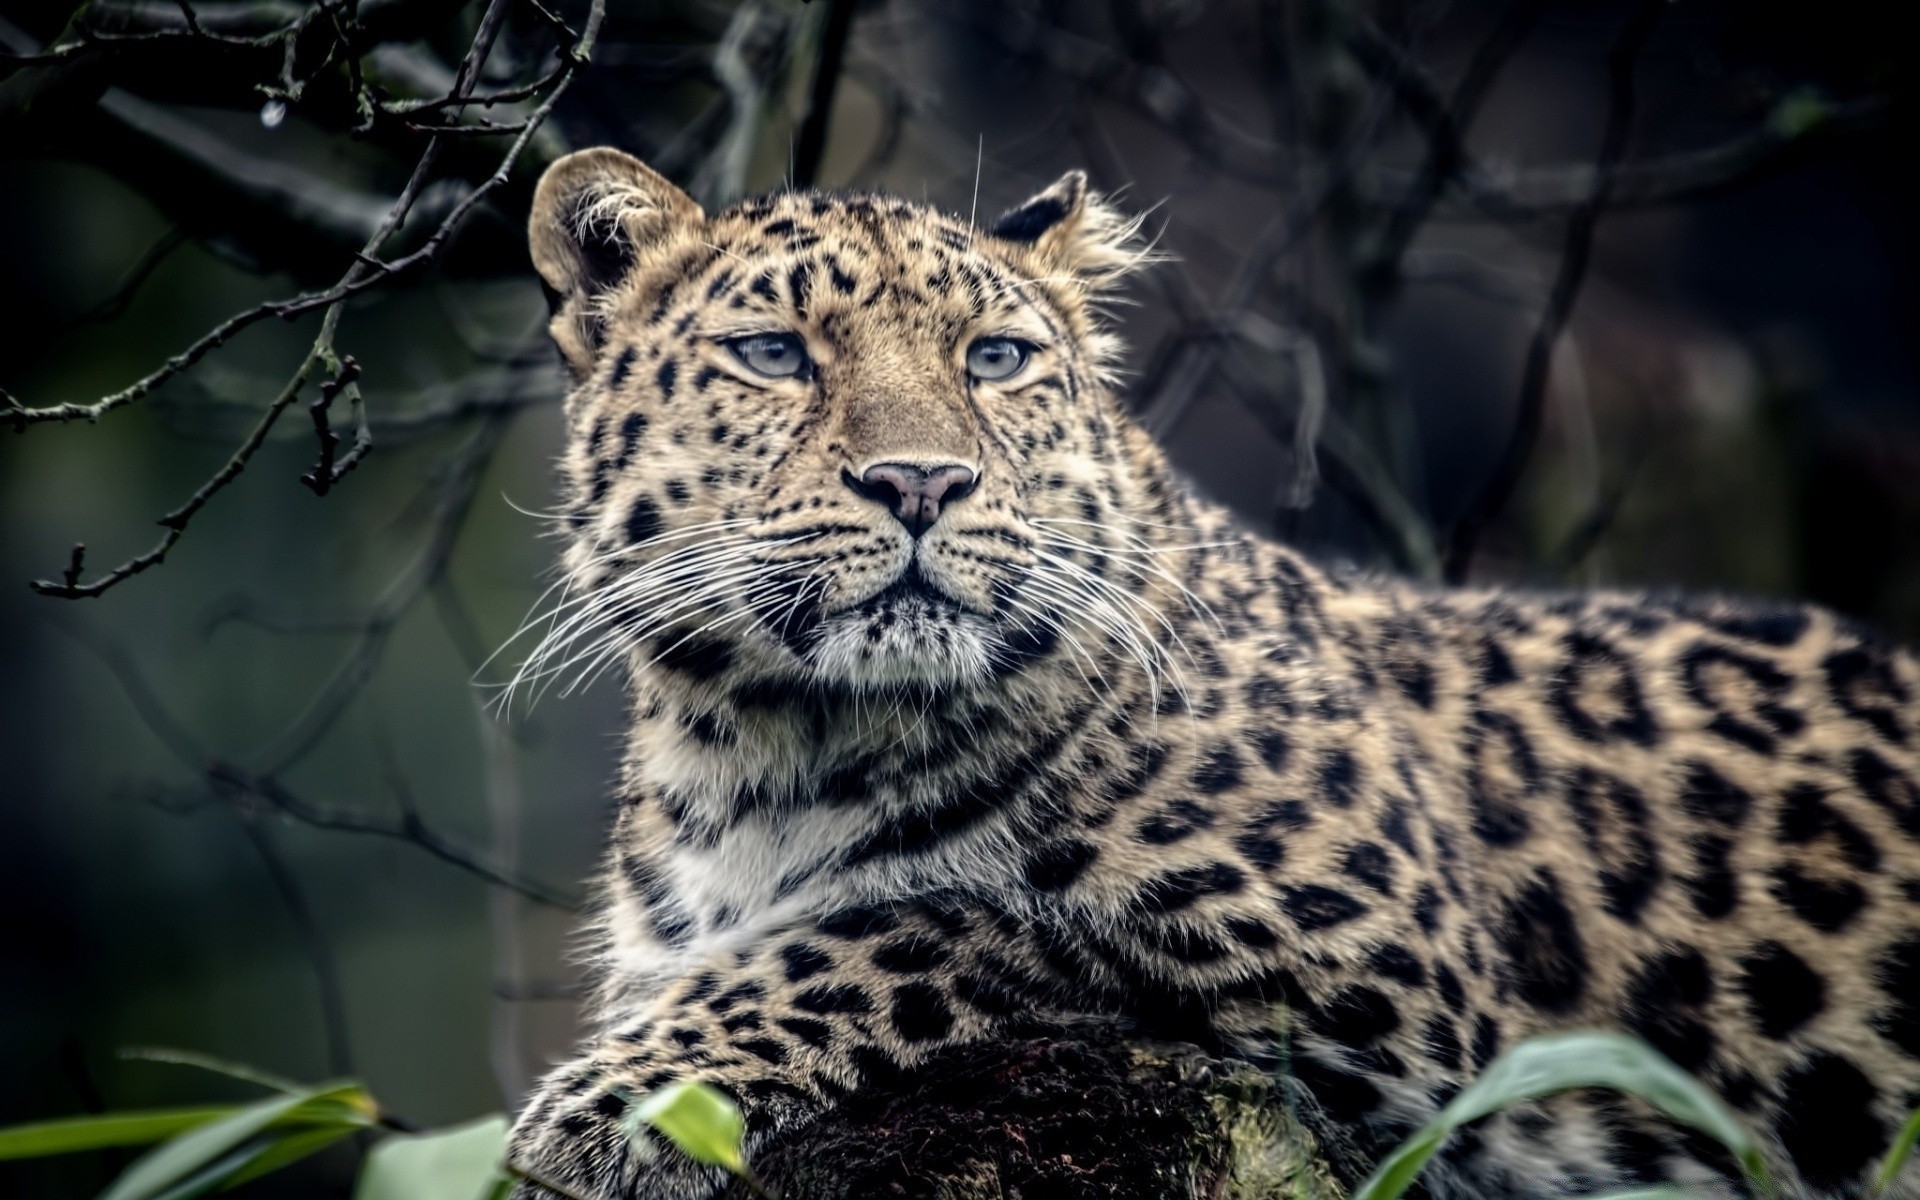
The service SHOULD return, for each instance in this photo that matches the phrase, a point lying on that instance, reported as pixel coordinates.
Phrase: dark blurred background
(1569, 294)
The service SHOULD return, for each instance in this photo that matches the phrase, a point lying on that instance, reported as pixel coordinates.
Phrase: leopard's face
(835, 440)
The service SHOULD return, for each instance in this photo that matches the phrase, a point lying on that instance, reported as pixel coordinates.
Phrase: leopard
(955, 713)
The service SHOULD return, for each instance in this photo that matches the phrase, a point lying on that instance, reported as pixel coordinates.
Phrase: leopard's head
(843, 440)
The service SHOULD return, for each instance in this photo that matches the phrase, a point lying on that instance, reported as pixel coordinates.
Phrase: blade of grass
(142, 1127)
(285, 1150)
(185, 1158)
(218, 1066)
(1898, 1154)
(1561, 1062)
(211, 1175)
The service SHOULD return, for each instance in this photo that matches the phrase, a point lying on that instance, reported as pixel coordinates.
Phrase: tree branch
(455, 501)
(1576, 252)
(811, 145)
(225, 778)
(1445, 123)
(326, 968)
(367, 271)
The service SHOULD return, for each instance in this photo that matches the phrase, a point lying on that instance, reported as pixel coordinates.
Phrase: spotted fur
(1087, 747)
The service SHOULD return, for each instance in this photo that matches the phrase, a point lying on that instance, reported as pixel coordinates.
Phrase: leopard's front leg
(786, 1028)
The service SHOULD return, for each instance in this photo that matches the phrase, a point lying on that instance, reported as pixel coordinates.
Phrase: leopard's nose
(914, 494)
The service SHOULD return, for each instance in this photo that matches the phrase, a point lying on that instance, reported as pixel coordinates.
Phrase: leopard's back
(1482, 815)
(1694, 820)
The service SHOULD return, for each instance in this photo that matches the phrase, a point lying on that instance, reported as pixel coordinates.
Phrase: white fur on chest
(771, 870)
(770, 874)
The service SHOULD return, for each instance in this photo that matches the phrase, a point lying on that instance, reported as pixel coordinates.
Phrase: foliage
(201, 1150)
(198, 1150)
(1898, 1154)
(208, 1149)
(134, 1128)
(253, 1141)
(1544, 1066)
(457, 1163)
(699, 1120)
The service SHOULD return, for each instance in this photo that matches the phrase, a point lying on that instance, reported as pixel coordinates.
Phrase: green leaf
(460, 1163)
(1392, 1178)
(262, 1155)
(1799, 111)
(1898, 1155)
(135, 1128)
(699, 1119)
(216, 1173)
(285, 1150)
(209, 1155)
(1561, 1062)
(219, 1066)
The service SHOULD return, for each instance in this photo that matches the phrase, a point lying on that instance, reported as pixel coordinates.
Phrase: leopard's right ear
(595, 212)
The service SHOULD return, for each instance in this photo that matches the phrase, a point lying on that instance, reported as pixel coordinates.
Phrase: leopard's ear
(595, 213)
(1076, 231)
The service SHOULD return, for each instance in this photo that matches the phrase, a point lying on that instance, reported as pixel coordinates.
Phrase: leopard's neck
(724, 757)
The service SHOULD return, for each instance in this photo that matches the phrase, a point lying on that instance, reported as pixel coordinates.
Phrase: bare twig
(326, 968)
(749, 62)
(367, 271)
(453, 502)
(410, 827)
(228, 779)
(1445, 123)
(1152, 89)
(330, 467)
(134, 279)
(511, 1071)
(1311, 405)
(394, 414)
(1591, 529)
(1480, 192)
(1575, 254)
(70, 585)
(88, 41)
(1349, 466)
(811, 145)
(1163, 409)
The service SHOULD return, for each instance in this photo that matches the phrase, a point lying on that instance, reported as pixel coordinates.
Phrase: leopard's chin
(909, 637)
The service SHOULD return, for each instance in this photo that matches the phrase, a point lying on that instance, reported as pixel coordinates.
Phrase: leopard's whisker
(1112, 622)
(1137, 544)
(1119, 601)
(1073, 597)
(1053, 623)
(618, 639)
(585, 611)
(713, 590)
(1120, 595)
(571, 580)
(1194, 602)
(714, 563)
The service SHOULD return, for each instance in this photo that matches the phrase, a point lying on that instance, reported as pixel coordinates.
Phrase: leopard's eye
(775, 355)
(996, 358)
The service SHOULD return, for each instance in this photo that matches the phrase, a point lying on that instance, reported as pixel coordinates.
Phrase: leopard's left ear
(1077, 232)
